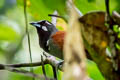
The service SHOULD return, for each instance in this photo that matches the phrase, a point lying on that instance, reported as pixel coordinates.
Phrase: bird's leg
(45, 54)
(55, 72)
(43, 68)
(53, 67)
(60, 64)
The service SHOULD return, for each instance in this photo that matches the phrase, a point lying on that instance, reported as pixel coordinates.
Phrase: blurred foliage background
(13, 40)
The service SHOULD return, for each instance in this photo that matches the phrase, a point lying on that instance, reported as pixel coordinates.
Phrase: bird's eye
(44, 28)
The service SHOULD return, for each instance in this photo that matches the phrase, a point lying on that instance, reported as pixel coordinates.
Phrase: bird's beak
(35, 24)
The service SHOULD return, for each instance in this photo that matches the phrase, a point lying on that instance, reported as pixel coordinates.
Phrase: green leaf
(49, 71)
(2, 3)
(90, 5)
(119, 35)
(60, 75)
(117, 5)
(56, 5)
(37, 9)
(93, 71)
(60, 28)
(115, 28)
(7, 33)
(117, 46)
(16, 76)
(86, 5)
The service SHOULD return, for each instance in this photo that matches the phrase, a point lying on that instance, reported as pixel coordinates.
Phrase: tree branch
(49, 60)
(27, 73)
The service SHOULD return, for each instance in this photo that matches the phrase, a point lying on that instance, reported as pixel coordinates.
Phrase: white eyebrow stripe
(48, 22)
(44, 28)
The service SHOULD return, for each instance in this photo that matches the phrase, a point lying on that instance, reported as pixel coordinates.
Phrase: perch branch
(49, 60)
(43, 67)
(27, 73)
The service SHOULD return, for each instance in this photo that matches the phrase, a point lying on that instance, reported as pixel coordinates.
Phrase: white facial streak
(44, 28)
(48, 23)
(47, 43)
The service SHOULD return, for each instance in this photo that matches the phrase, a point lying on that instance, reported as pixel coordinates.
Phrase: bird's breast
(58, 38)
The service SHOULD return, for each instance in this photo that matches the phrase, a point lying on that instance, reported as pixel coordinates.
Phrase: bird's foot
(60, 64)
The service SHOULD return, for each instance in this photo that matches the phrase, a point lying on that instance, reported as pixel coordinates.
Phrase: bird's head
(45, 30)
(45, 27)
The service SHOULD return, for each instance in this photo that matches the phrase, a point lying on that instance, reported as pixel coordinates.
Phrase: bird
(51, 40)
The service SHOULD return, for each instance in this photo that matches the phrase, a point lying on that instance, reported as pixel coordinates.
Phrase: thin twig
(54, 72)
(2, 66)
(53, 15)
(43, 68)
(27, 73)
(48, 60)
(107, 7)
(27, 32)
